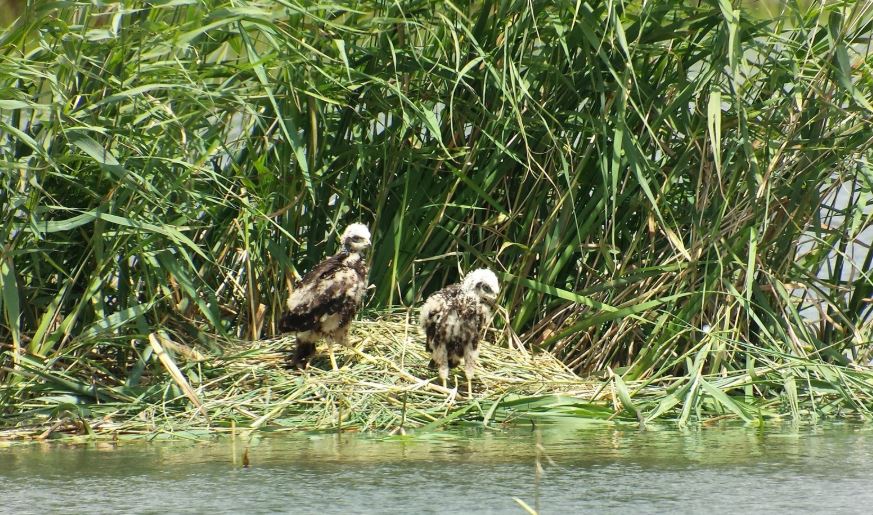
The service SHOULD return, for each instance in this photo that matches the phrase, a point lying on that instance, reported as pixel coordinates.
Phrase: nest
(382, 383)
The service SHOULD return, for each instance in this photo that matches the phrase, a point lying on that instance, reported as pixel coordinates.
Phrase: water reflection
(598, 469)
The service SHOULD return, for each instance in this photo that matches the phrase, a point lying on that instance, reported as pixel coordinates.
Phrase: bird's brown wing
(324, 269)
(330, 288)
(433, 313)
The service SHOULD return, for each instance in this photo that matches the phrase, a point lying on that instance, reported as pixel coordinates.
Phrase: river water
(599, 469)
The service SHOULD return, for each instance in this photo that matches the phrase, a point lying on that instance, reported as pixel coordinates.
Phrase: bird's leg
(302, 353)
(332, 358)
(454, 394)
(444, 378)
(451, 394)
(444, 373)
(342, 338)
(469, 371)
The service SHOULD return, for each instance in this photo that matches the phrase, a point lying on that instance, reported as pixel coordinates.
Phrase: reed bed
(383, 384)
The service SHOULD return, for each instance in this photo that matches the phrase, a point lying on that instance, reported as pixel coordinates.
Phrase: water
(598, 470)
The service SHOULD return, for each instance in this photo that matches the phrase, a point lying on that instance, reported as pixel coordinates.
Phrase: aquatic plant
(675, 193)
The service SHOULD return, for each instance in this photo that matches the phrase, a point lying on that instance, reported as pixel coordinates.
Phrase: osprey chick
(455, 319)
(327, 299)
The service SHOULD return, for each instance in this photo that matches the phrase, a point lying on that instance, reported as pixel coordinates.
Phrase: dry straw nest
(383, 383)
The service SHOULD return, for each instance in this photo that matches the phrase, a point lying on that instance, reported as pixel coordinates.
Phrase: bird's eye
(484, 287)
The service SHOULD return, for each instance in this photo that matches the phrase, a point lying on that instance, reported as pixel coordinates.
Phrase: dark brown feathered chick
(327, 299)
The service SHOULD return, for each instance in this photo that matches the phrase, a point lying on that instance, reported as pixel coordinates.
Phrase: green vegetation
(654, 182)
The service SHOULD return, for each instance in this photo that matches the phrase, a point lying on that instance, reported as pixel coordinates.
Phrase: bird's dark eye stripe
(486, 288)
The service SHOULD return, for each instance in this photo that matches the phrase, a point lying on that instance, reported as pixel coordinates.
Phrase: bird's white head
(356, 238)
(482, 283)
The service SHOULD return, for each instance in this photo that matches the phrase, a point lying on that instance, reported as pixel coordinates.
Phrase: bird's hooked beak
(357, 244)
(488, 295)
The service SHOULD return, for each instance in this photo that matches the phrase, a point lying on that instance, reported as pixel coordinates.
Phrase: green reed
(653, 181)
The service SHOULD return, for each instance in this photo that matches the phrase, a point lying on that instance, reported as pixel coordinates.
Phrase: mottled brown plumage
(454, 320)
(328, 297)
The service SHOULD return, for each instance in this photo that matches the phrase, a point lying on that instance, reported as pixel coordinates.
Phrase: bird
(455, 318)
(327, 299)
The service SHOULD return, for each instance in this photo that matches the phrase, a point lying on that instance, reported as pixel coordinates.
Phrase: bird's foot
(296, 364)
(452, 396)
(453, 393)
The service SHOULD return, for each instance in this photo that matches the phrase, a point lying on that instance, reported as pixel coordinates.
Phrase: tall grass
(654, 181)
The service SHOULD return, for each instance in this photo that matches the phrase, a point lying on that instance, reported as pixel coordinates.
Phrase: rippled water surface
(598, 470)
